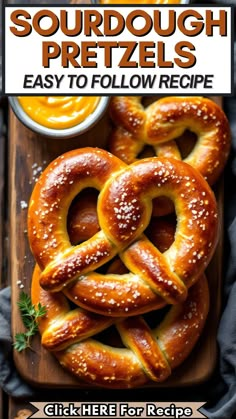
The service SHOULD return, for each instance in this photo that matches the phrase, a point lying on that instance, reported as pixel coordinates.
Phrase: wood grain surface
(3, 203)
(29, 154)
(2, 177)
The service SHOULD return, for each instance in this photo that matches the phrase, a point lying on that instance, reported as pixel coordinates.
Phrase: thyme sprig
(30, 315)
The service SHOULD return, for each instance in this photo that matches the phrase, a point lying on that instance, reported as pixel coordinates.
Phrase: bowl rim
(78, 129)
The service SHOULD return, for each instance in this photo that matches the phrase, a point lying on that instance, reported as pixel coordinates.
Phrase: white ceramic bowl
(78, 129)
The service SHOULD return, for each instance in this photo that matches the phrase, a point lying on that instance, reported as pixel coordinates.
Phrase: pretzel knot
(147, 355)
(161, 123)
(124, 211)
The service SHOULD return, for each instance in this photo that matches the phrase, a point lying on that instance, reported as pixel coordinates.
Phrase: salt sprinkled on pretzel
(147, 355)
(124, 212)
(165, 120)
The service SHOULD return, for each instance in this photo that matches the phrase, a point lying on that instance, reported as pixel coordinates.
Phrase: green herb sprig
(30, 315)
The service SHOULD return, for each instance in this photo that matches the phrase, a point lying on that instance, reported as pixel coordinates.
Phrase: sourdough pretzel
(124, 211)
(165, 120)
(83, 224)
(147, 355)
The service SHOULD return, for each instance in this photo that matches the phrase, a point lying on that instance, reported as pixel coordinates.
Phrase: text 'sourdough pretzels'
(124, 212)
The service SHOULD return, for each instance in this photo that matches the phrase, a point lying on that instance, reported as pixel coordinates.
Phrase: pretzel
(124, 212)
(164, 121)
(83, 224)
(148, 355)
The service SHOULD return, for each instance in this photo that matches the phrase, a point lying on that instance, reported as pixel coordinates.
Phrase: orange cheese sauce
(140, 1)
(59, 112)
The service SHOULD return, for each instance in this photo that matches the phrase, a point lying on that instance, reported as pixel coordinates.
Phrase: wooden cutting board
(28, 155)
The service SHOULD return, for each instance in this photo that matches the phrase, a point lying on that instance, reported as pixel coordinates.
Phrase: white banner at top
(105, 50)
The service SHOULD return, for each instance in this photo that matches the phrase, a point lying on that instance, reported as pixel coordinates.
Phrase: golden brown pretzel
(165, 120)
(83, 224)
(147, 355)
(124, 211)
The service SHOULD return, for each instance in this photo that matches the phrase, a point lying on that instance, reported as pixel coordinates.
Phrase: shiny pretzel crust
(147, 355)
(124, 212)
(165, 120)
